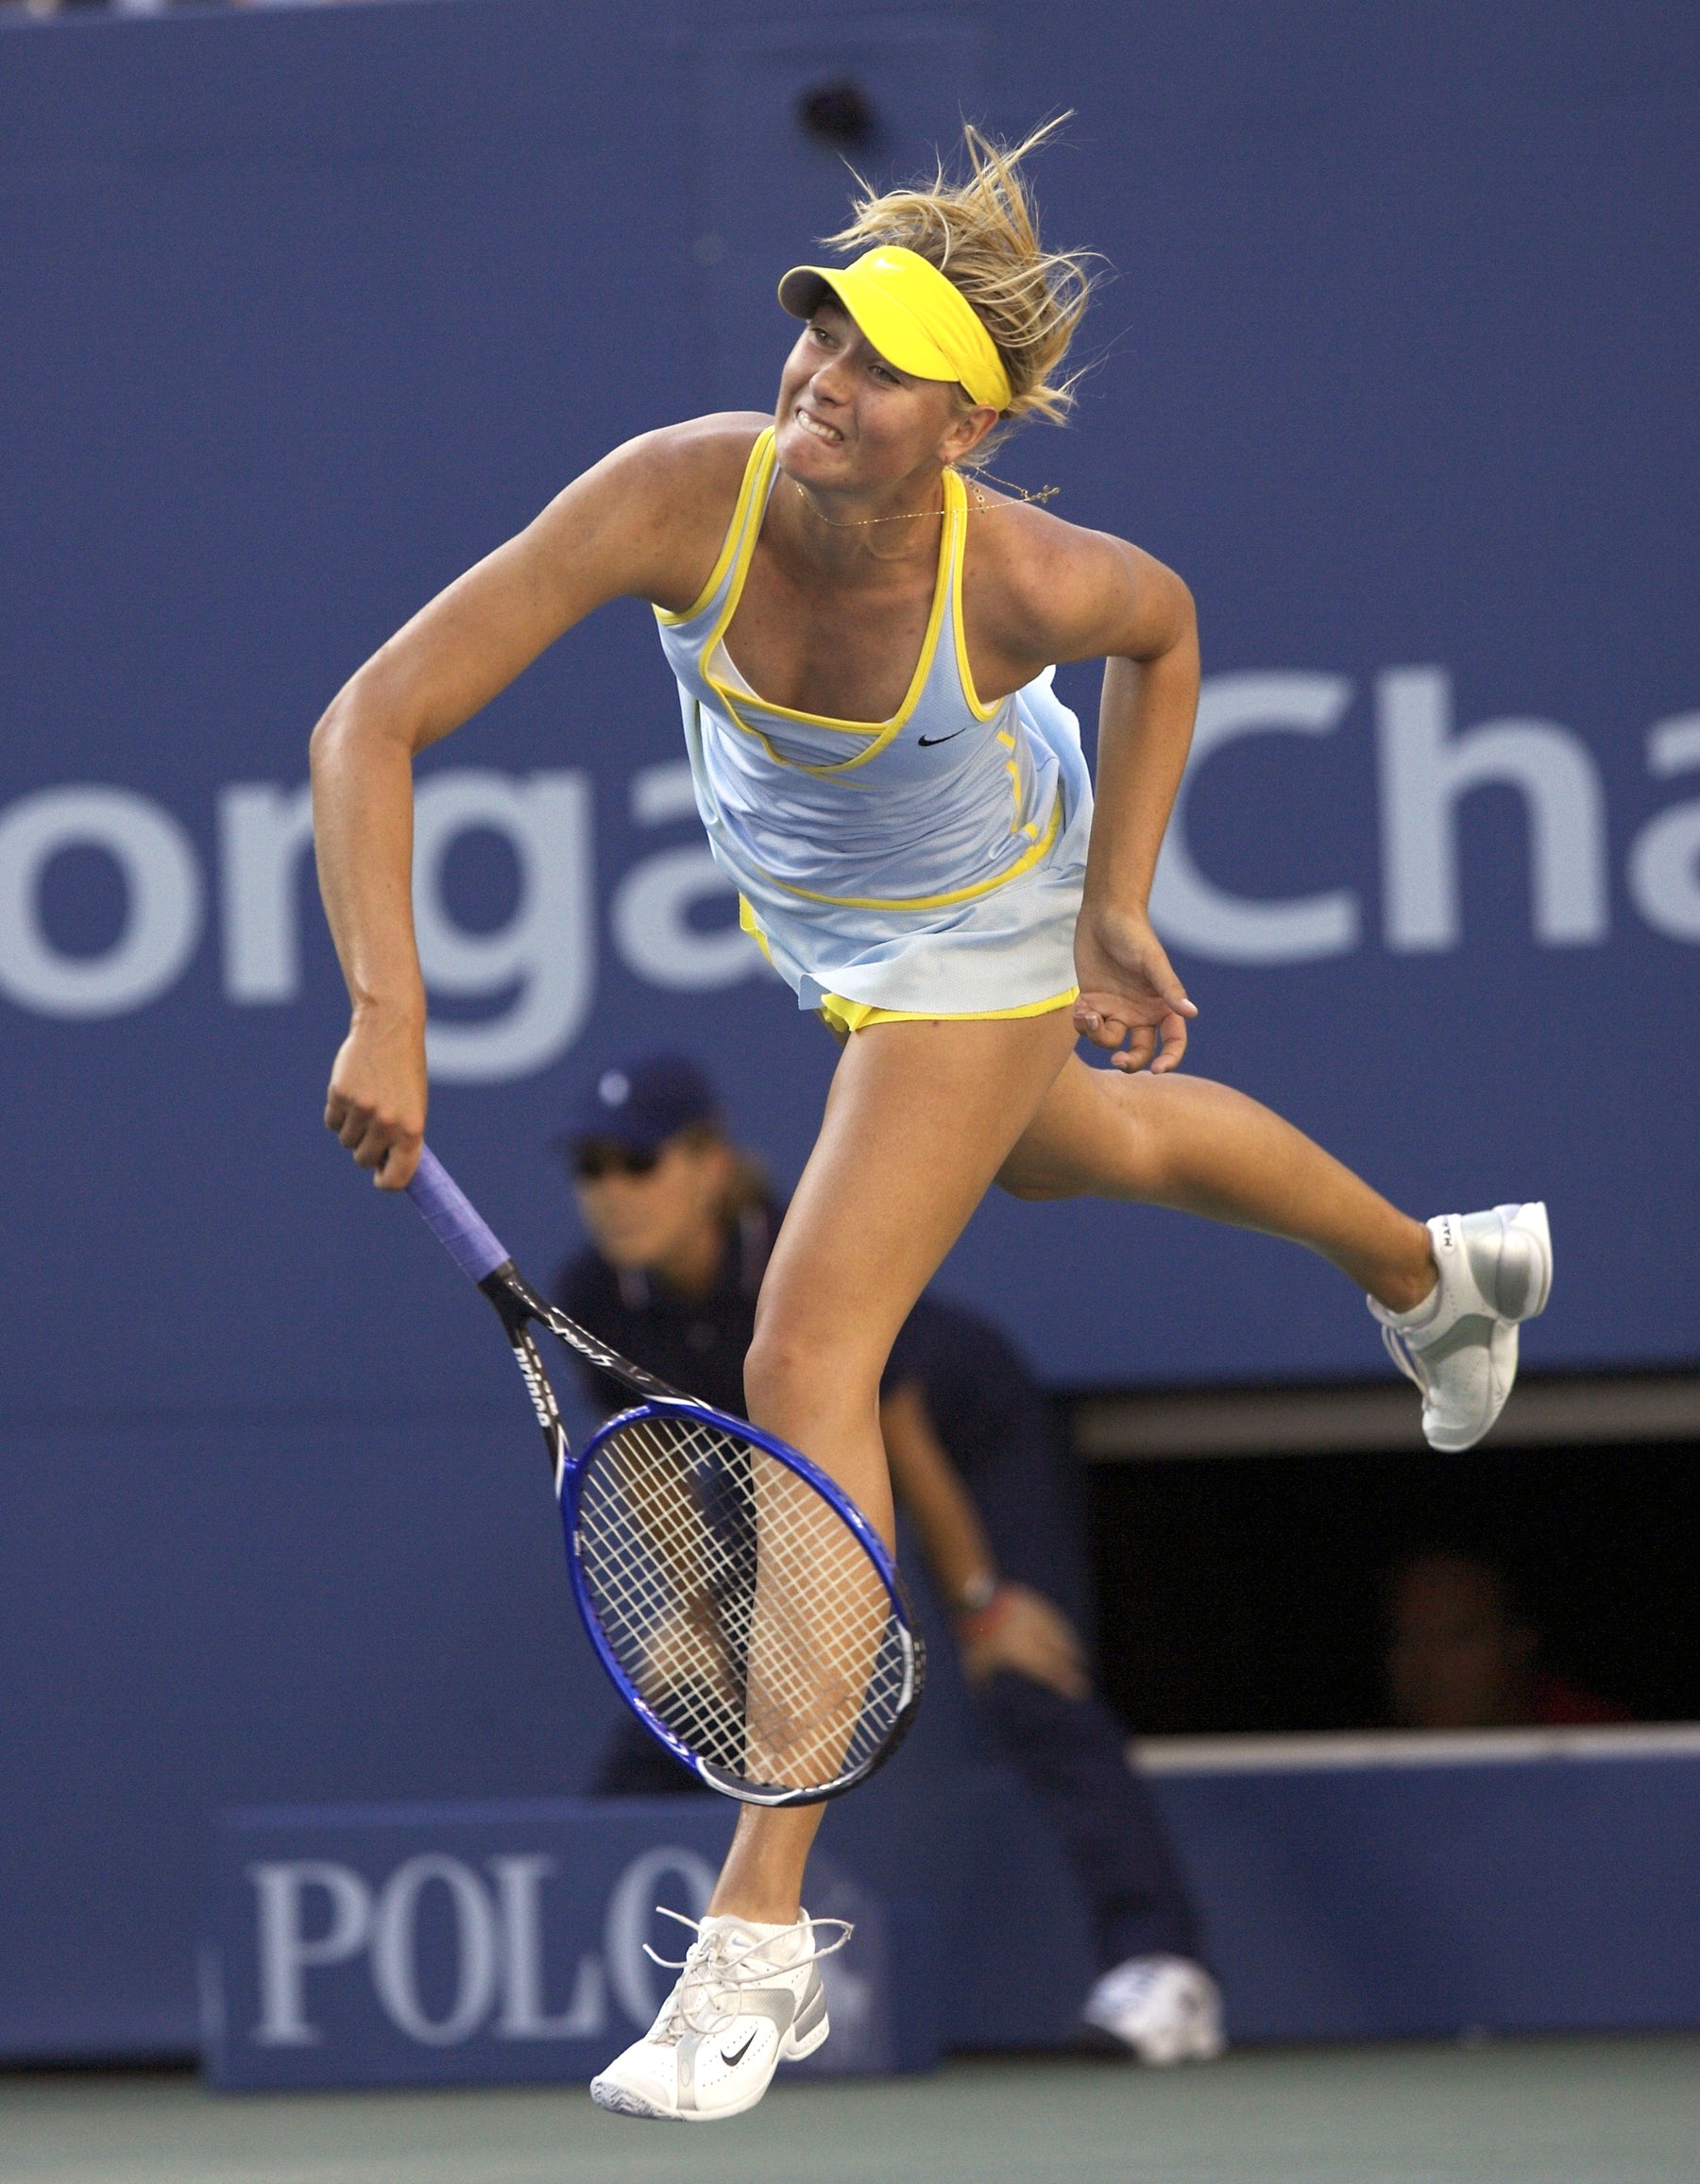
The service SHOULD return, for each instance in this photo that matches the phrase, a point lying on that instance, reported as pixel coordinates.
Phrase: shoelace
(711, 1969)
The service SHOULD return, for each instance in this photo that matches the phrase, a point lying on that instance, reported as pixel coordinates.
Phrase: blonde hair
(982, 234)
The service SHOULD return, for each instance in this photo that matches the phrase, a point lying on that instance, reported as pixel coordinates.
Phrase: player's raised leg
(1203, 1147)
(919, 1117)
(1449, 1293)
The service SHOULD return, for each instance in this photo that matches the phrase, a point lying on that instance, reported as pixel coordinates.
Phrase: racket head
(742, 1605)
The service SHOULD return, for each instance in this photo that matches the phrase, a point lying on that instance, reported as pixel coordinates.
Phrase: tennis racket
(747, 1611)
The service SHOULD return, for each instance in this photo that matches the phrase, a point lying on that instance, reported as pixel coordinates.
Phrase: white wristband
(978, 1594)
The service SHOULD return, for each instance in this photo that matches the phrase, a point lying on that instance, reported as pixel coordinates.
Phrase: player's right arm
(646, 522)
(1019, 1629)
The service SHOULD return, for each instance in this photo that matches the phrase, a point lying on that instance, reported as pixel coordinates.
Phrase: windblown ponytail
(981, 231)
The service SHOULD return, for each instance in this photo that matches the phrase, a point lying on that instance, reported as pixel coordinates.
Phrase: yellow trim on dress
(756, 465)
(737, 552)
(752, 925)
(959, 544)
(839, 1015)
(844, 1016)
(880, 733)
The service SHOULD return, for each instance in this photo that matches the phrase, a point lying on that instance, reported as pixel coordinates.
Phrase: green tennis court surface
(1519, 2112)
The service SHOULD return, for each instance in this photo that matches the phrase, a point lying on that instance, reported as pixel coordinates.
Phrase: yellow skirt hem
(844, 1016)
(839, 1015)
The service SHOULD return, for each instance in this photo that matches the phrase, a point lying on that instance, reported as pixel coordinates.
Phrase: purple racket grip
(449, 1215)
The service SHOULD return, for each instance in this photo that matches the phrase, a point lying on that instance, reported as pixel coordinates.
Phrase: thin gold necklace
(982, 505)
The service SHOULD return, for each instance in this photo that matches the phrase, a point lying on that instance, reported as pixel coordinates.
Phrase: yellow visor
(913, 316)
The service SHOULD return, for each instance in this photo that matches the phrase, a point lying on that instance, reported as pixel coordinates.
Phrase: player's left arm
(1087, 595)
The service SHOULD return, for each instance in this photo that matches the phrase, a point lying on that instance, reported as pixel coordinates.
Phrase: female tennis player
(863, 635)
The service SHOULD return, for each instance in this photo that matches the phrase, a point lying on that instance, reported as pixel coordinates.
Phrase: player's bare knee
(780, 1365)
(1110, 1141)
(1027, 1182)
(1141, 1146)
(795, 1367)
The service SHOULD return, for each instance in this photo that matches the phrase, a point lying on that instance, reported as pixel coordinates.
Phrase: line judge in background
(681, 1221)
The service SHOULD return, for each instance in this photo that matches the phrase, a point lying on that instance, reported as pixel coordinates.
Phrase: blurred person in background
(1463, 1651)
(682, 1222)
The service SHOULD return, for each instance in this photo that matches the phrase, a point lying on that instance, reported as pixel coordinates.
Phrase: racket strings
(738, 1604)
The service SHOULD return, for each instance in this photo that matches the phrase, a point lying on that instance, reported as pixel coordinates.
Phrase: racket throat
(509, 1291)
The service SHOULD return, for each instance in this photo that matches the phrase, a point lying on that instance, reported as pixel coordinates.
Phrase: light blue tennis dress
(927, 866)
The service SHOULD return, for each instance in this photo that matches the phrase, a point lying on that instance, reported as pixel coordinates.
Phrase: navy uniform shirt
(697, 1344)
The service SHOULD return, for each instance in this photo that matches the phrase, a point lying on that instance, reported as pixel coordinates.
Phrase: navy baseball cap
(640, 1103)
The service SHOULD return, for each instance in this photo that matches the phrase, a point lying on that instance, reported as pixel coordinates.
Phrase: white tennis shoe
(1460, 1344)
(1163, 2010)
(748, 1998)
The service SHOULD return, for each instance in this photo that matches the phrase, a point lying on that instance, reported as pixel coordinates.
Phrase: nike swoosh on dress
(926, 743)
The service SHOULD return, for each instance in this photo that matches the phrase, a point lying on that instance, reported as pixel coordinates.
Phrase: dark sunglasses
(599, 1157)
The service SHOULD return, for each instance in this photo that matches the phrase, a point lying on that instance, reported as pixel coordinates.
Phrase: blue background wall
(304, 312)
